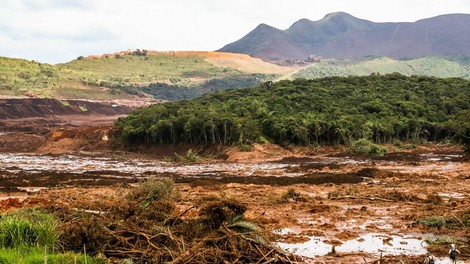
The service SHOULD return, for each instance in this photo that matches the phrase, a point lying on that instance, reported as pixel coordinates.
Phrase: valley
(306, 201)
(313, 203)
(340, 140)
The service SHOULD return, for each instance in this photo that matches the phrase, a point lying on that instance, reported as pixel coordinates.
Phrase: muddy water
(30, 170)
(79, 164)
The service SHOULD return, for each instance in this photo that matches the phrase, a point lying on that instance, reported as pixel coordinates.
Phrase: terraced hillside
(132, 73)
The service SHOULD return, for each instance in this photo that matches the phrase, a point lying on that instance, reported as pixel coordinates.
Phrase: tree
(460, 124)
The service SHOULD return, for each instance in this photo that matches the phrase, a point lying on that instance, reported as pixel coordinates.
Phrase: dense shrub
(365, 147)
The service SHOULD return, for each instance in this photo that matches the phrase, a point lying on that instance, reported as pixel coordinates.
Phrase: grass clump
(245, 147)
(343, 192)
(433, 221)
(291, 195)
(401, 196)
(154, 190)
(365, 147)
(434, 198)
(442, 240)
(28, 228)
(189, 157)
(448, 222)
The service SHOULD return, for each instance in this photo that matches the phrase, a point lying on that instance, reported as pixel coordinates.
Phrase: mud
(342, 201)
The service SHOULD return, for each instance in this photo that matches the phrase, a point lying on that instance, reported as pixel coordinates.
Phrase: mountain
(340, 35)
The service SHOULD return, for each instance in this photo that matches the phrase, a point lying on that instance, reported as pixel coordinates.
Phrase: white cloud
(60, 30)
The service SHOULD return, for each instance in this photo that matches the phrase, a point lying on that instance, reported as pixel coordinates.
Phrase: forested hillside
(333, 110)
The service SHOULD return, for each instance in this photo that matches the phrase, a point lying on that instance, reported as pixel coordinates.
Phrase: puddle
(439, 157)
(389, 245)
(452, 195)
(373, 243)
(32, 189)
(314, 247)
(289, 230)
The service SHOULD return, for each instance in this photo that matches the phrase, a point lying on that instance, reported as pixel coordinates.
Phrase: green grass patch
(433, 221)
(264, 140)
(83, 108)
(65, 103)
(441, 240)
(37, 255)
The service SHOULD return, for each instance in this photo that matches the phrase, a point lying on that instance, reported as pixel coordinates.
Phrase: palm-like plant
(236, 223)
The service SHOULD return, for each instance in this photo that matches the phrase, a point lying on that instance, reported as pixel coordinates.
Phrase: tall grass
(28, 228)
(29, 236)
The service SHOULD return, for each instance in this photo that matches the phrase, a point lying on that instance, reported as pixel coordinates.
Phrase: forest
(328, 111)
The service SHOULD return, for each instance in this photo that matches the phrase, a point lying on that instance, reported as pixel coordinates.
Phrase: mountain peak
(342, 17)
(337, 15)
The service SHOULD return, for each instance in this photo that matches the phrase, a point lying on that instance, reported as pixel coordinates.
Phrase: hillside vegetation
(458, 67)
(334, 110)
(125, 74)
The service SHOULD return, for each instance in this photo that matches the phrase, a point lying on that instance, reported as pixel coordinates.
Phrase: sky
(56, 31)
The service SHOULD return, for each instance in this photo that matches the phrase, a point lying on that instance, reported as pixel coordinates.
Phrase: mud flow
(326, 208)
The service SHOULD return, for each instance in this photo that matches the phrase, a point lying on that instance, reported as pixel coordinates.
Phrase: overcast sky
(56, 31)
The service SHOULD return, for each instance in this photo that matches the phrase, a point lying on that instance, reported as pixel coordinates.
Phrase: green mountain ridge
(129, 74)
(185, 75)
(457, 67)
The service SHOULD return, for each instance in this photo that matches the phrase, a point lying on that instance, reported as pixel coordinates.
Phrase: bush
(365, 147)
(190, 156)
